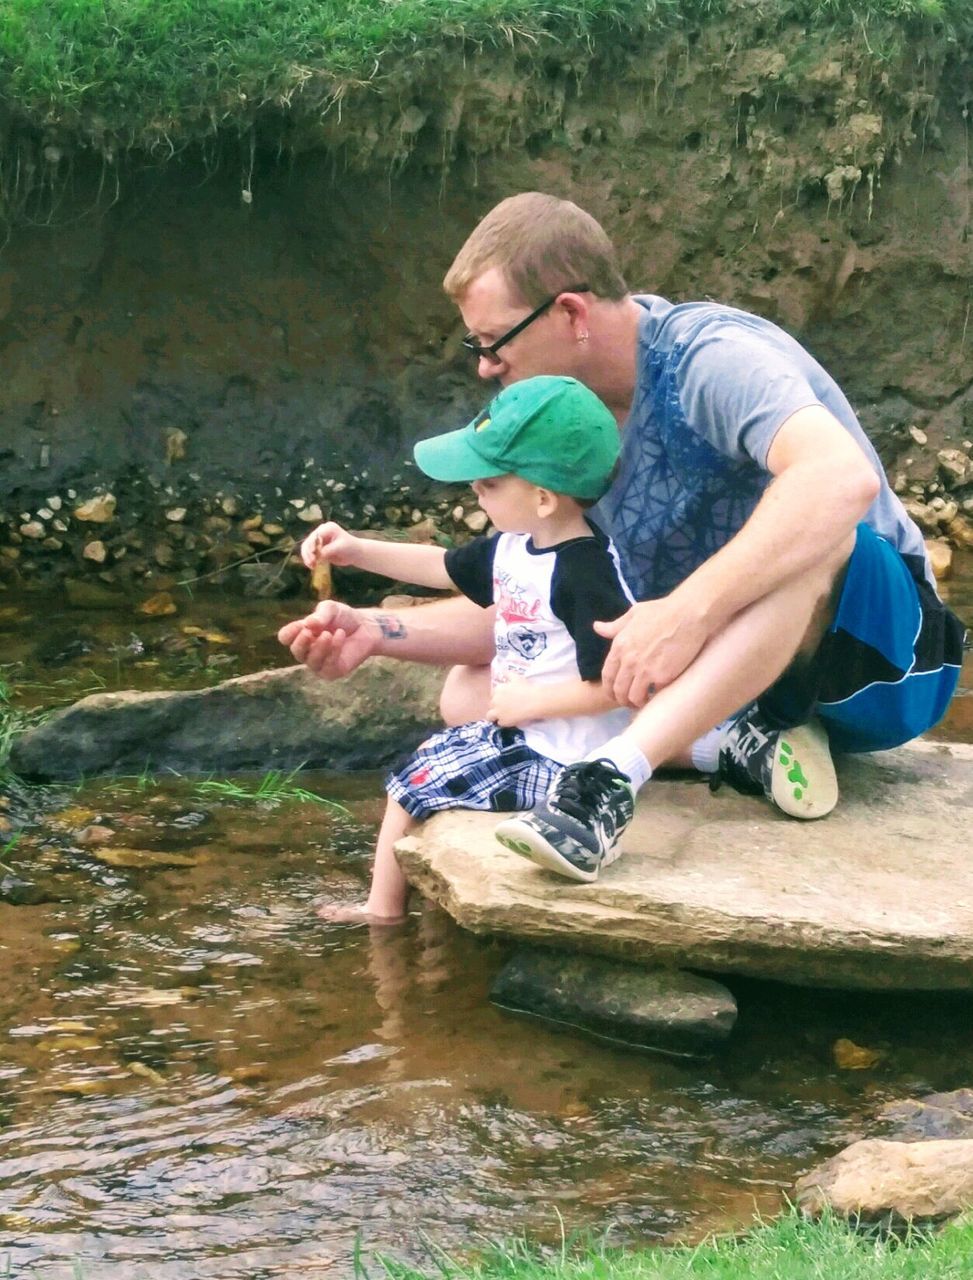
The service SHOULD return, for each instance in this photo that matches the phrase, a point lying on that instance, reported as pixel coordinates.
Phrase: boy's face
(545, 346)
(510, 502)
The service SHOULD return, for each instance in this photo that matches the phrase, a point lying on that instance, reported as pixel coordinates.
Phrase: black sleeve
(585, 588)
(471, 568)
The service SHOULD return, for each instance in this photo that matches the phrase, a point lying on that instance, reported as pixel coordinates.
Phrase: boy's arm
(518, 701)
(404, 561)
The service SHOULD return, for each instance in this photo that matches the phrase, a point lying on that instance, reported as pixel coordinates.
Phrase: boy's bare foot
(354, 913)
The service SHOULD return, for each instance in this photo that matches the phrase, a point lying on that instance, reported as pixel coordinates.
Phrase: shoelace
(733, 765)
(586, 786)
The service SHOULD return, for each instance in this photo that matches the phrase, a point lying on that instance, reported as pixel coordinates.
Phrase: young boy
(537, 456)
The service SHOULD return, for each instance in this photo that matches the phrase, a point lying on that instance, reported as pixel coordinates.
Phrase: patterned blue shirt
(713, 387)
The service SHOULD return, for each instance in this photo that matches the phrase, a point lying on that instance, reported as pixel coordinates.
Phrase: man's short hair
(543, 246)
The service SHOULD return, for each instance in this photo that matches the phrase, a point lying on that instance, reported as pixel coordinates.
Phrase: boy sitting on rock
(537, 456)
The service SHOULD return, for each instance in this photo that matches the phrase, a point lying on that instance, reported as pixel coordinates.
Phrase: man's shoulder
(666, 325)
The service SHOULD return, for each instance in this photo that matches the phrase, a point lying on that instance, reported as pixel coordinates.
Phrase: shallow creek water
(198, 1079)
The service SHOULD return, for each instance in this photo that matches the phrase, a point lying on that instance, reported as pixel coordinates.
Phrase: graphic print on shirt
(518, 606)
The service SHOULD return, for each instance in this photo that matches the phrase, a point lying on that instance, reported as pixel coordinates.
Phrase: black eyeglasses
(490, 352)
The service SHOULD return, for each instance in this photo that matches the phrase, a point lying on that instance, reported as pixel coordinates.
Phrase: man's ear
(577, 306)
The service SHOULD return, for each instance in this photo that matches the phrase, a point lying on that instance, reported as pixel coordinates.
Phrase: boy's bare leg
(385, 904)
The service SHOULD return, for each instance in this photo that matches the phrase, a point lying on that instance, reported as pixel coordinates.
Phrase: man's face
(546, 346)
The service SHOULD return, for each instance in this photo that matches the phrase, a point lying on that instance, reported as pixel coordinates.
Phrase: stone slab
(664, 1010)
(279, 719)
(877, 896)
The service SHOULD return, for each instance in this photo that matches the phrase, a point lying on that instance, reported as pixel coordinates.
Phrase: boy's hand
(510, 704)
(328, 544)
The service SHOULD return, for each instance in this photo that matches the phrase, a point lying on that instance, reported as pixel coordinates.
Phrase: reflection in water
(202, 1080)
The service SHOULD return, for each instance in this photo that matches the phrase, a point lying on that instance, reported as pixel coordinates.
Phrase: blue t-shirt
(713, 387)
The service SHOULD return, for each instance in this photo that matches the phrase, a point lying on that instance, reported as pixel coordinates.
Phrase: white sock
(706, 751)
(627, 759)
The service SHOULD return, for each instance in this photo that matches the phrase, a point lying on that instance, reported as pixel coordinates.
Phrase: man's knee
(465, 695)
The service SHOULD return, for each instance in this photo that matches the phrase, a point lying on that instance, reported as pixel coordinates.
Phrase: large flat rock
(278, 719)
(877, 896)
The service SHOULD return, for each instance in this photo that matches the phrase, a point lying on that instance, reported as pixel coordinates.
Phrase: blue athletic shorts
(472, 766)
(890, 662)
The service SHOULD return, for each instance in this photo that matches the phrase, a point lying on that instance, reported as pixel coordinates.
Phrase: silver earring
(582, 337)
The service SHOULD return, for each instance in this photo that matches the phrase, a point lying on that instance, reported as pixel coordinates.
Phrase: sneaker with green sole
(791, 767)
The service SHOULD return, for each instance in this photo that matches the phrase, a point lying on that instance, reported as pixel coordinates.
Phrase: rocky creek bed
(198, 1074)
(201, 1079)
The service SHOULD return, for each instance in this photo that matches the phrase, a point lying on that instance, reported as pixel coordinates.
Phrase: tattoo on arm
(392, 628)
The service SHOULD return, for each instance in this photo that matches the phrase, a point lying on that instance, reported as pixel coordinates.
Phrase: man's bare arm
(823, 485)
(335, 639)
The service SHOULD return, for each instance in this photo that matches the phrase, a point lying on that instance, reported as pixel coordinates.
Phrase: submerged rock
(21, 892)
(923, 1119)
(271, 720)
(660, 1009)
(877, 896)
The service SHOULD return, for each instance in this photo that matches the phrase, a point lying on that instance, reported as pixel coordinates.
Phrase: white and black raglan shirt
(547, 600)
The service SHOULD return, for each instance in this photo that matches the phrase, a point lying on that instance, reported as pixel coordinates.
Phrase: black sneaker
(791, 767)
(576, 830)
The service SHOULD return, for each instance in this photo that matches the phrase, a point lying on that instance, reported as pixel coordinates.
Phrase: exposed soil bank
(267, 330)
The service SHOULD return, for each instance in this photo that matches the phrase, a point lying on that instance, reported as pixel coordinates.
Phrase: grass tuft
(791, 1248)
(272, 789)
(159, 73)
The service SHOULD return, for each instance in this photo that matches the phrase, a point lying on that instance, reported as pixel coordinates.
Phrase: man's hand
(652, 644)
(329, 544)
(510, 704)
(332, 641)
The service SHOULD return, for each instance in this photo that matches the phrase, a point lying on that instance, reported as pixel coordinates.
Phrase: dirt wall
(266, 323)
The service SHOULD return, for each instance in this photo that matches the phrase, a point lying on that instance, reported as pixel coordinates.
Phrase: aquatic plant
(274, 788)
(8, 848)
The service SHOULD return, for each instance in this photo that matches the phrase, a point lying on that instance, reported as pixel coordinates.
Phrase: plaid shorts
(472, 766)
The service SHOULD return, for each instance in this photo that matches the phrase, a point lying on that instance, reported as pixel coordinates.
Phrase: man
(776, 570)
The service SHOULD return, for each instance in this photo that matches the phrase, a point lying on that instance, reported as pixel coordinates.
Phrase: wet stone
(664, 1010)
(20, 892)
(938, 1115)
(915, 1121)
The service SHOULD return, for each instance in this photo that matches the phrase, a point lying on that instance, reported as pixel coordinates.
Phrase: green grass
(119, 73)
(269, 791)
(788, 1249)
(6, 850)
(15, 719)
(272, 789)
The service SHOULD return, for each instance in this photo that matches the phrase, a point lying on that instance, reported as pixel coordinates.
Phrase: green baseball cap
(551, 431)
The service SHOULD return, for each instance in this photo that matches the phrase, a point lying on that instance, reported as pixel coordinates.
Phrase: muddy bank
(231, 334)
